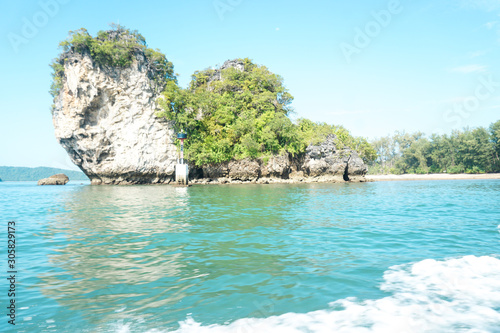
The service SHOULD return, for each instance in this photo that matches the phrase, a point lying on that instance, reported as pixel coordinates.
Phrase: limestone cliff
(105, 119)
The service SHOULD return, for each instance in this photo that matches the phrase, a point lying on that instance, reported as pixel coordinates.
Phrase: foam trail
(454, 295)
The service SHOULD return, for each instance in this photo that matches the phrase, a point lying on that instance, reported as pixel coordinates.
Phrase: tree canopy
(114, 48)
(243, 111)
(469, 150)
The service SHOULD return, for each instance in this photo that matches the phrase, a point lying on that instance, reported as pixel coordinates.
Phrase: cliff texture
(327, 161)
(105, 119)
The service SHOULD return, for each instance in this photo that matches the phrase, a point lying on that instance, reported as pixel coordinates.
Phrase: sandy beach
(433, 176)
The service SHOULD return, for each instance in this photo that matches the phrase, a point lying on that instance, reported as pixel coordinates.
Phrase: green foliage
(244, 114)
(495, 140)
(456, 169)
(57, 74)
(312, 133)
(115, 48)
(469, 151)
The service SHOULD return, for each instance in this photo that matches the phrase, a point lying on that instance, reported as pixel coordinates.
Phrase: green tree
(495, 140)
(415, 157)
(441, 153)
(387, 155)
(469, 150)
(242, 114)
(234, 114)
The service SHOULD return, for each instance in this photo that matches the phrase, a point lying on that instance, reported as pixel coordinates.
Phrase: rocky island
(58, 179)
(117, 108)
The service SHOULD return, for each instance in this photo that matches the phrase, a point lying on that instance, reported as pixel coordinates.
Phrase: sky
(375, 67)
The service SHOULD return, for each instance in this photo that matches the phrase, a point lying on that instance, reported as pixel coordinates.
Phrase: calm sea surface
(420, 256)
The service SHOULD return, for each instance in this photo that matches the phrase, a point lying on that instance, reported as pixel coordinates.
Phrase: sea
(407, 256)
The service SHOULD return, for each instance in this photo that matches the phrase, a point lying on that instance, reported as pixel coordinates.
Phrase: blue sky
(372, 66)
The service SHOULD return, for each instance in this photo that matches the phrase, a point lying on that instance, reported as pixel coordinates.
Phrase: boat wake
(454, 295)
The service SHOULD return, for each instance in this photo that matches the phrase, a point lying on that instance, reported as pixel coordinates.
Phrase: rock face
(59, 179)
(105, 119)
(322, 163)
(328, 162)
(237, 64)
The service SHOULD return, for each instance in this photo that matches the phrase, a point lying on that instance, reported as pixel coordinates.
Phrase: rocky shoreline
(362, 179)
(308, 180)
(320, 163)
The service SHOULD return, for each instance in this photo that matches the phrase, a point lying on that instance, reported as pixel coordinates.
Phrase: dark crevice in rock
(346, 171)
(90, 114)
(102, 156)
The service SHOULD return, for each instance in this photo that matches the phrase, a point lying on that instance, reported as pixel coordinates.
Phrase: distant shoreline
(432, 176)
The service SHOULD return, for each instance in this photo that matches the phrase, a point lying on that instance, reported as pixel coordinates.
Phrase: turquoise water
(420, 256)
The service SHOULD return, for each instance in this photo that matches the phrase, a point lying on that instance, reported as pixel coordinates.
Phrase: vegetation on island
(474, 150)
(230, 113)
(234, 114)
(111, 48)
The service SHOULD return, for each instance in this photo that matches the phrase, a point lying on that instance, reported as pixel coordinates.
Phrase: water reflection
(160, 252)
(112, 248)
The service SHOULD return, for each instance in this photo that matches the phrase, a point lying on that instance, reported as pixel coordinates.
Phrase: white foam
(455, 295)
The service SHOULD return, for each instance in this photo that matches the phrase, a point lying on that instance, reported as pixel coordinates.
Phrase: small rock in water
(59, 179)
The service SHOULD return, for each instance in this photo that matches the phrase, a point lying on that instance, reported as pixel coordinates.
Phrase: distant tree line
(8, 173)
(471, 150)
